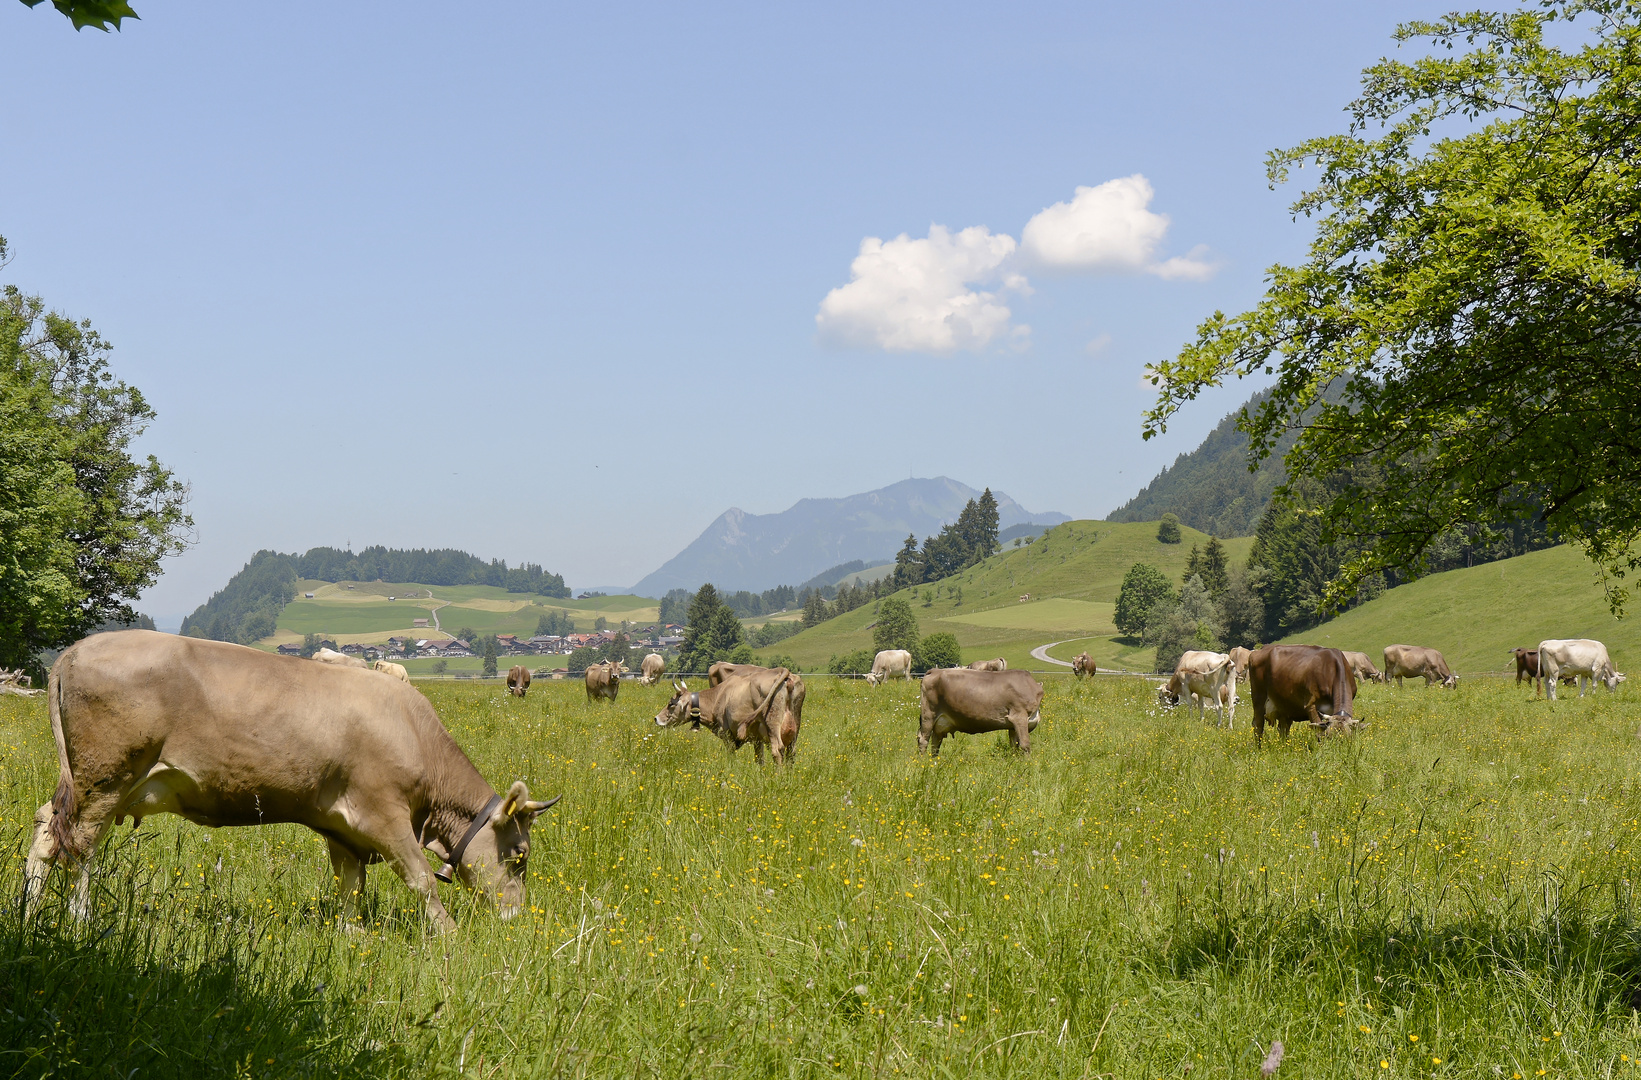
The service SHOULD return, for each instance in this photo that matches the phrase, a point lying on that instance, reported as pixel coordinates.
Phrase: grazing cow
(1239, 659)
(651, 670)
(1527, 667)
(975, 702)
(723, 669)
(998, 664)
(149, 723)
(1301, 682)
(1204, 676)
(1581, 657)
(388, 667)
(1415, 661)
(759, 707)
(890, 663)
(331, 656)
(1362, 667)
(603, 681)
(1082, 664)
(518, 680)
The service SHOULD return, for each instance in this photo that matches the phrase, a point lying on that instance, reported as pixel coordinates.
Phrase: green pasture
(1476, 615)
(364, 613)
(1448, 893)
(1079, 561)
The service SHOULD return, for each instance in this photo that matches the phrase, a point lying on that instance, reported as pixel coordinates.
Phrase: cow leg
(1020, 730)
(349, 871)
(926, 732)
(42, 857)
(404, 854)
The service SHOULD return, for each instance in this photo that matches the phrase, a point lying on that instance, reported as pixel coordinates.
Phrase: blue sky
(542, 281)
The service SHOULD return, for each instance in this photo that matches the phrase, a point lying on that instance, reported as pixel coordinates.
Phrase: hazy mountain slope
(761, 551)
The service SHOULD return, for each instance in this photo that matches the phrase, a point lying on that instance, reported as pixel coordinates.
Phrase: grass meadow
(1448, 893)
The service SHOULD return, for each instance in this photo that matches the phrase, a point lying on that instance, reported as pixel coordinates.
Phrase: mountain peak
(760, 551)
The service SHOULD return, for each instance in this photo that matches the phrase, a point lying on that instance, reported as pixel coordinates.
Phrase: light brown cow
(388, 667)
(149, 723)
(723, 669)
(998, 664)
(651, 670)
(1203, 677)
(1362, 667)
(1239, 659)
(888, 664)
(1415, 661)
(518, 680)
(340, 659)
(1082, 664)
(756, 708)
(604, 681)
(975, 702)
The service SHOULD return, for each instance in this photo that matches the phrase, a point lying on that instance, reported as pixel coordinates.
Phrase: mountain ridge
(739, 550)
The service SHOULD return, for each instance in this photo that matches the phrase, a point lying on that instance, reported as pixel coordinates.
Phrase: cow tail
(65, 803)
(776, 689)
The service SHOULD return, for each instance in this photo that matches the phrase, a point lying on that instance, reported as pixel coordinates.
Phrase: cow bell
(445, 873)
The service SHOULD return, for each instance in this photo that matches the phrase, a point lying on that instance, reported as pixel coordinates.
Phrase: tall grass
(1448, 892)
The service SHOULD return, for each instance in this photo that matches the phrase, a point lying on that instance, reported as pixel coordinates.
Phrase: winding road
(1041, 652)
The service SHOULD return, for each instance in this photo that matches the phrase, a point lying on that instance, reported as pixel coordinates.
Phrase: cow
(388, 667)
(518, 680)
(149, 723)
(1082, 664)
(888, 664)
(758, 707)
(603, 681)
(651, 670)
(1362, 667)
(1581, 657)
(998, 664)
(1414, 661)
(1203, 676)
(1301, 682)
(331, 656)
(723, 669)
(1527, 666)
(1239, 659)
(975, 702)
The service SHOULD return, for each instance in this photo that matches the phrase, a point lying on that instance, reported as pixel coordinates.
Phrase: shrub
(938, 651)
(1168, 529)
(855, 663)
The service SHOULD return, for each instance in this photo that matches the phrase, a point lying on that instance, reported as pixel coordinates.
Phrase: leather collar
(448, 870)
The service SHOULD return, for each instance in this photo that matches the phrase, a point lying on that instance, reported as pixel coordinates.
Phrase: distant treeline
(248, 607)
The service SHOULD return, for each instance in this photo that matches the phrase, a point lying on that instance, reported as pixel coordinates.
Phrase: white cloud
(1108, 229)
(1098, 345)
(917, 295)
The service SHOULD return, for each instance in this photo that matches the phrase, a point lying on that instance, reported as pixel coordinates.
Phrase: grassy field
(362, 612)
(1449, 893)
(1476, 615)
(1079, 561)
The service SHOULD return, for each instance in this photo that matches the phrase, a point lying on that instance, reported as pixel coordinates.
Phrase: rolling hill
(1477, 614)
(761, 551)
(359, 611)
(1071, 576)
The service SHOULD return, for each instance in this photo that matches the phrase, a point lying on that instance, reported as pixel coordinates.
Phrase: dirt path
(1041, 652)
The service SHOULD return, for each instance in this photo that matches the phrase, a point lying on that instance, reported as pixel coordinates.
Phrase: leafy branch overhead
(1473, 286)
(99, 13)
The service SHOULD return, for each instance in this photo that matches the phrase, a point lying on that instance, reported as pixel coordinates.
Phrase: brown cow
(998, 664)
(1415, 661)
(1293, 682)
(975, 702)
(723, 669)
(518, 680)
(757, 707)
(603, 681)
(150, 723)
(651, 670)
(1082, 664)
(1362, 667)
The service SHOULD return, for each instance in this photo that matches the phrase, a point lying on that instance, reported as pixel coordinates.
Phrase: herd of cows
(149, 723)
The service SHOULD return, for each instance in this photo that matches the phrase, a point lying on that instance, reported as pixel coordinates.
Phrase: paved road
(1041, 652)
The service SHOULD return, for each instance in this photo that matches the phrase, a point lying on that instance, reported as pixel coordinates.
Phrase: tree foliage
(1475, 285)
(1143, 588)
(713, 634)
(1178, 625)
(896, 626)
(940, 650)
(83, 524)
(101, 14)
(1168, 529)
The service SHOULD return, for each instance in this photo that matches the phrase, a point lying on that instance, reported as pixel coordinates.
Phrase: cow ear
(516, 796)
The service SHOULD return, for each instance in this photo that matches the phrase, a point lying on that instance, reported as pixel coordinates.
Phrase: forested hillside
(1211, 488)
(249, 605)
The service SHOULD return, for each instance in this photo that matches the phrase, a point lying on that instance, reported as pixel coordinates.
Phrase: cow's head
(1337, 724)
(495, 859)
(1613, 678)
(680, 709)
(1168, 692)
(873, 678)
(1451, 682)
